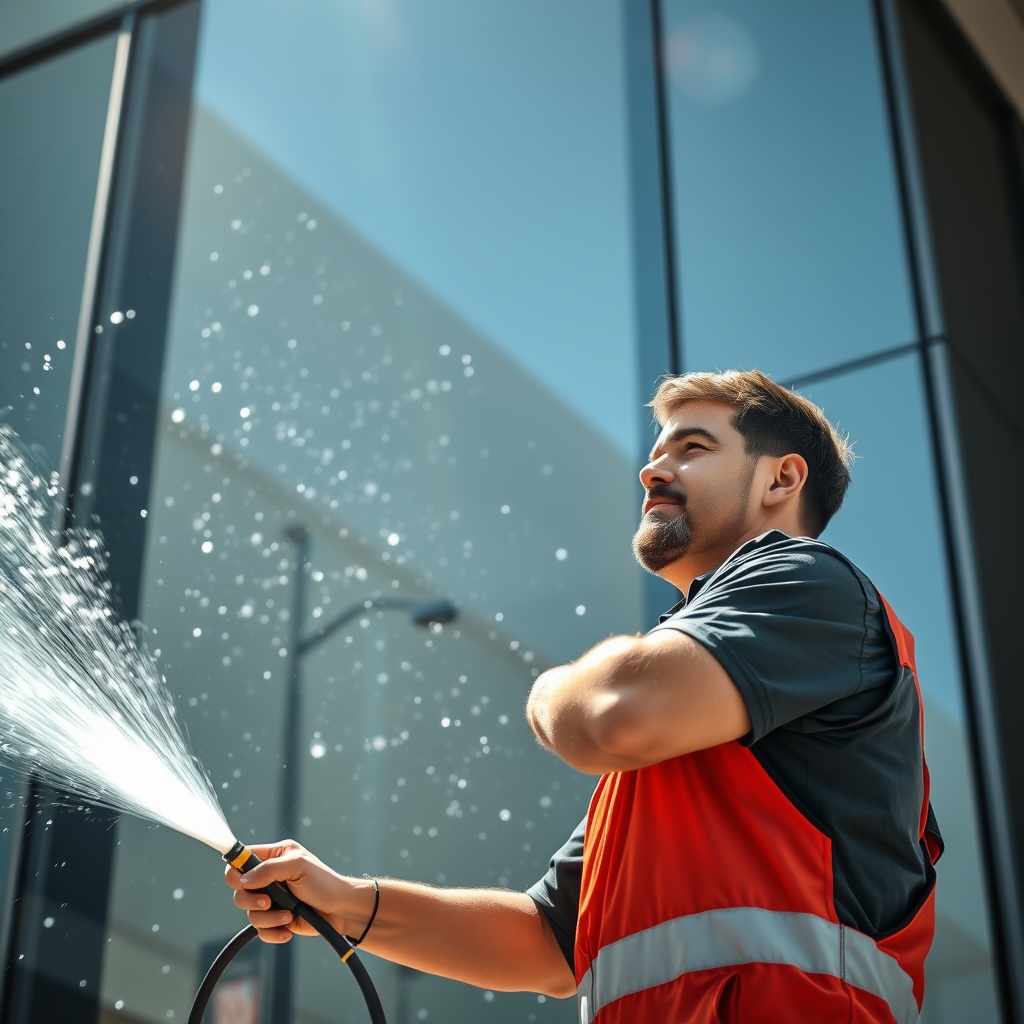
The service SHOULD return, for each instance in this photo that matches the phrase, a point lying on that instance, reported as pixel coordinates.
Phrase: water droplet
(197, 632)
(445, 350)
(47, 922)
(504, 814)
(253, 309)
(61, 345)
(116, 317)
(193, 385)
(581, 609)
(177, 416)
(178, 894)
(244, 412)
(318, 750)
(561, 554)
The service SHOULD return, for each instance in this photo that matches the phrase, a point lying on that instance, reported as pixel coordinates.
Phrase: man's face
(697, 485)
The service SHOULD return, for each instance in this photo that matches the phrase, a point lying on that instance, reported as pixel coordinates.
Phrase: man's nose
(656, 472)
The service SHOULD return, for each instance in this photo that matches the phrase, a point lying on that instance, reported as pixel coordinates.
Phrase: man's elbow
(616, 733)
(561, 987)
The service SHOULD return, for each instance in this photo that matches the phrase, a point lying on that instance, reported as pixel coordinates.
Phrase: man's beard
(660, 542)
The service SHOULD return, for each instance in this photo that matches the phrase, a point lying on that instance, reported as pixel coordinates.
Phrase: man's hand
(492, 938)
(630, 702)
(346, 902)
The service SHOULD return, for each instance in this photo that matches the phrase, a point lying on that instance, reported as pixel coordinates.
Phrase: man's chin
(654, 551)
(657, 563)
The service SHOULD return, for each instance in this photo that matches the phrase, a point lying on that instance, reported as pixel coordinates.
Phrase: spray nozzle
(243, 859)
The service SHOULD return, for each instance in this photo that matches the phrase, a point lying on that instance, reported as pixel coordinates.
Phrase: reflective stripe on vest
(744, 935)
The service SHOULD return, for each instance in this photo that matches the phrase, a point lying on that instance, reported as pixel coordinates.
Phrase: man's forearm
(491, 938)
(634, 701)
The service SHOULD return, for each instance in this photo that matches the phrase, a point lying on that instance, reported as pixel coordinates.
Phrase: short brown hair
(773, 421)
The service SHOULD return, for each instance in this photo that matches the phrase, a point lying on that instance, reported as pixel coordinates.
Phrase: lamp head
(426, 613)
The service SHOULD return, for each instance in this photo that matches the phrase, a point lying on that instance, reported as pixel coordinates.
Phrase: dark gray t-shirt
(834, 721)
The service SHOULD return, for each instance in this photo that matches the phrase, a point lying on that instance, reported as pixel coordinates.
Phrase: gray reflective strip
(585, 993)
(744, 935)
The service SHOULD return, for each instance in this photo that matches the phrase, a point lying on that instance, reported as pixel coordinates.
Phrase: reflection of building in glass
(380, 283)
(309, 381)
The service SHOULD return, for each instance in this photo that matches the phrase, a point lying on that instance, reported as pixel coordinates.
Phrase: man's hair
(773, 421)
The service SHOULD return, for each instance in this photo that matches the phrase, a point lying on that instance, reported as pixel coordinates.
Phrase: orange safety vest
(707, 897)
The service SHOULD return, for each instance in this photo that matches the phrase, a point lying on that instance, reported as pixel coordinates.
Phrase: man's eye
(691, 445)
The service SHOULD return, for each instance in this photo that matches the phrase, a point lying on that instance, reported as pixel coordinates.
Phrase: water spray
(83, 706)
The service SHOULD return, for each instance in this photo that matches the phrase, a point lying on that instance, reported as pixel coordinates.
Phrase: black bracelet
(369, 924)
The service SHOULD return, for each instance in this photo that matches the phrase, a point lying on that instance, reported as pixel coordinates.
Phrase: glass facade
(789, 238)
(368, 343)
(408, 329)
(52, 120)
(22, 24)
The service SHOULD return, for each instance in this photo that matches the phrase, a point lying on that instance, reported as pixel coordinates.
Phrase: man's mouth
(656, 500)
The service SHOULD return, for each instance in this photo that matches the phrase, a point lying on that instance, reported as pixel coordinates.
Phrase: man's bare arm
(492, 938)
(634, 701)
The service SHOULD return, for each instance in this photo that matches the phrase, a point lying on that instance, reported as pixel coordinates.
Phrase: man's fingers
(275, 936)
(286, 868)
(251, 900)
(261, 919)
(269, 851)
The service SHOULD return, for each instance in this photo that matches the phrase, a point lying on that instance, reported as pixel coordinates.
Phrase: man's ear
(789, 474)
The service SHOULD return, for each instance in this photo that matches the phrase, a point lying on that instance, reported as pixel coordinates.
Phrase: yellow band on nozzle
(241, 858)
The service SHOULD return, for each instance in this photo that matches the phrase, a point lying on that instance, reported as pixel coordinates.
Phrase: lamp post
(278, 999)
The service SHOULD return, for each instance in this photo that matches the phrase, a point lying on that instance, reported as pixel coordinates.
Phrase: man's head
(737, 455)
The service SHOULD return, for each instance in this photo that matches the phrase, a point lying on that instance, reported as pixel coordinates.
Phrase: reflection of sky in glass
(479, 146)
(790, 255)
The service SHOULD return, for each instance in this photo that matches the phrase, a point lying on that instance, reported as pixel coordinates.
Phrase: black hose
(224, 957)
(283, 899)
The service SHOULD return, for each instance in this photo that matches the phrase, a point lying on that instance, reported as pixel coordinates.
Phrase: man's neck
(682, 573)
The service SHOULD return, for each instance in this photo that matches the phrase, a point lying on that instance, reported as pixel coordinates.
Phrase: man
(760, 845)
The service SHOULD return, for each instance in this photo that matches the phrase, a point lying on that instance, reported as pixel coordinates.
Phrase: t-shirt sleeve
(789, 623)
(558, 892)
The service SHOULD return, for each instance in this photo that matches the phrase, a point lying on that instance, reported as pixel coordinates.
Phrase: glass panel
(402, 314)
(790, 254)
(24, 21)
(890, 527)
(52, 118)
(51, 130)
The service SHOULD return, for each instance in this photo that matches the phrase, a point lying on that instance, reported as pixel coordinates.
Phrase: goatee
(660, 542)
